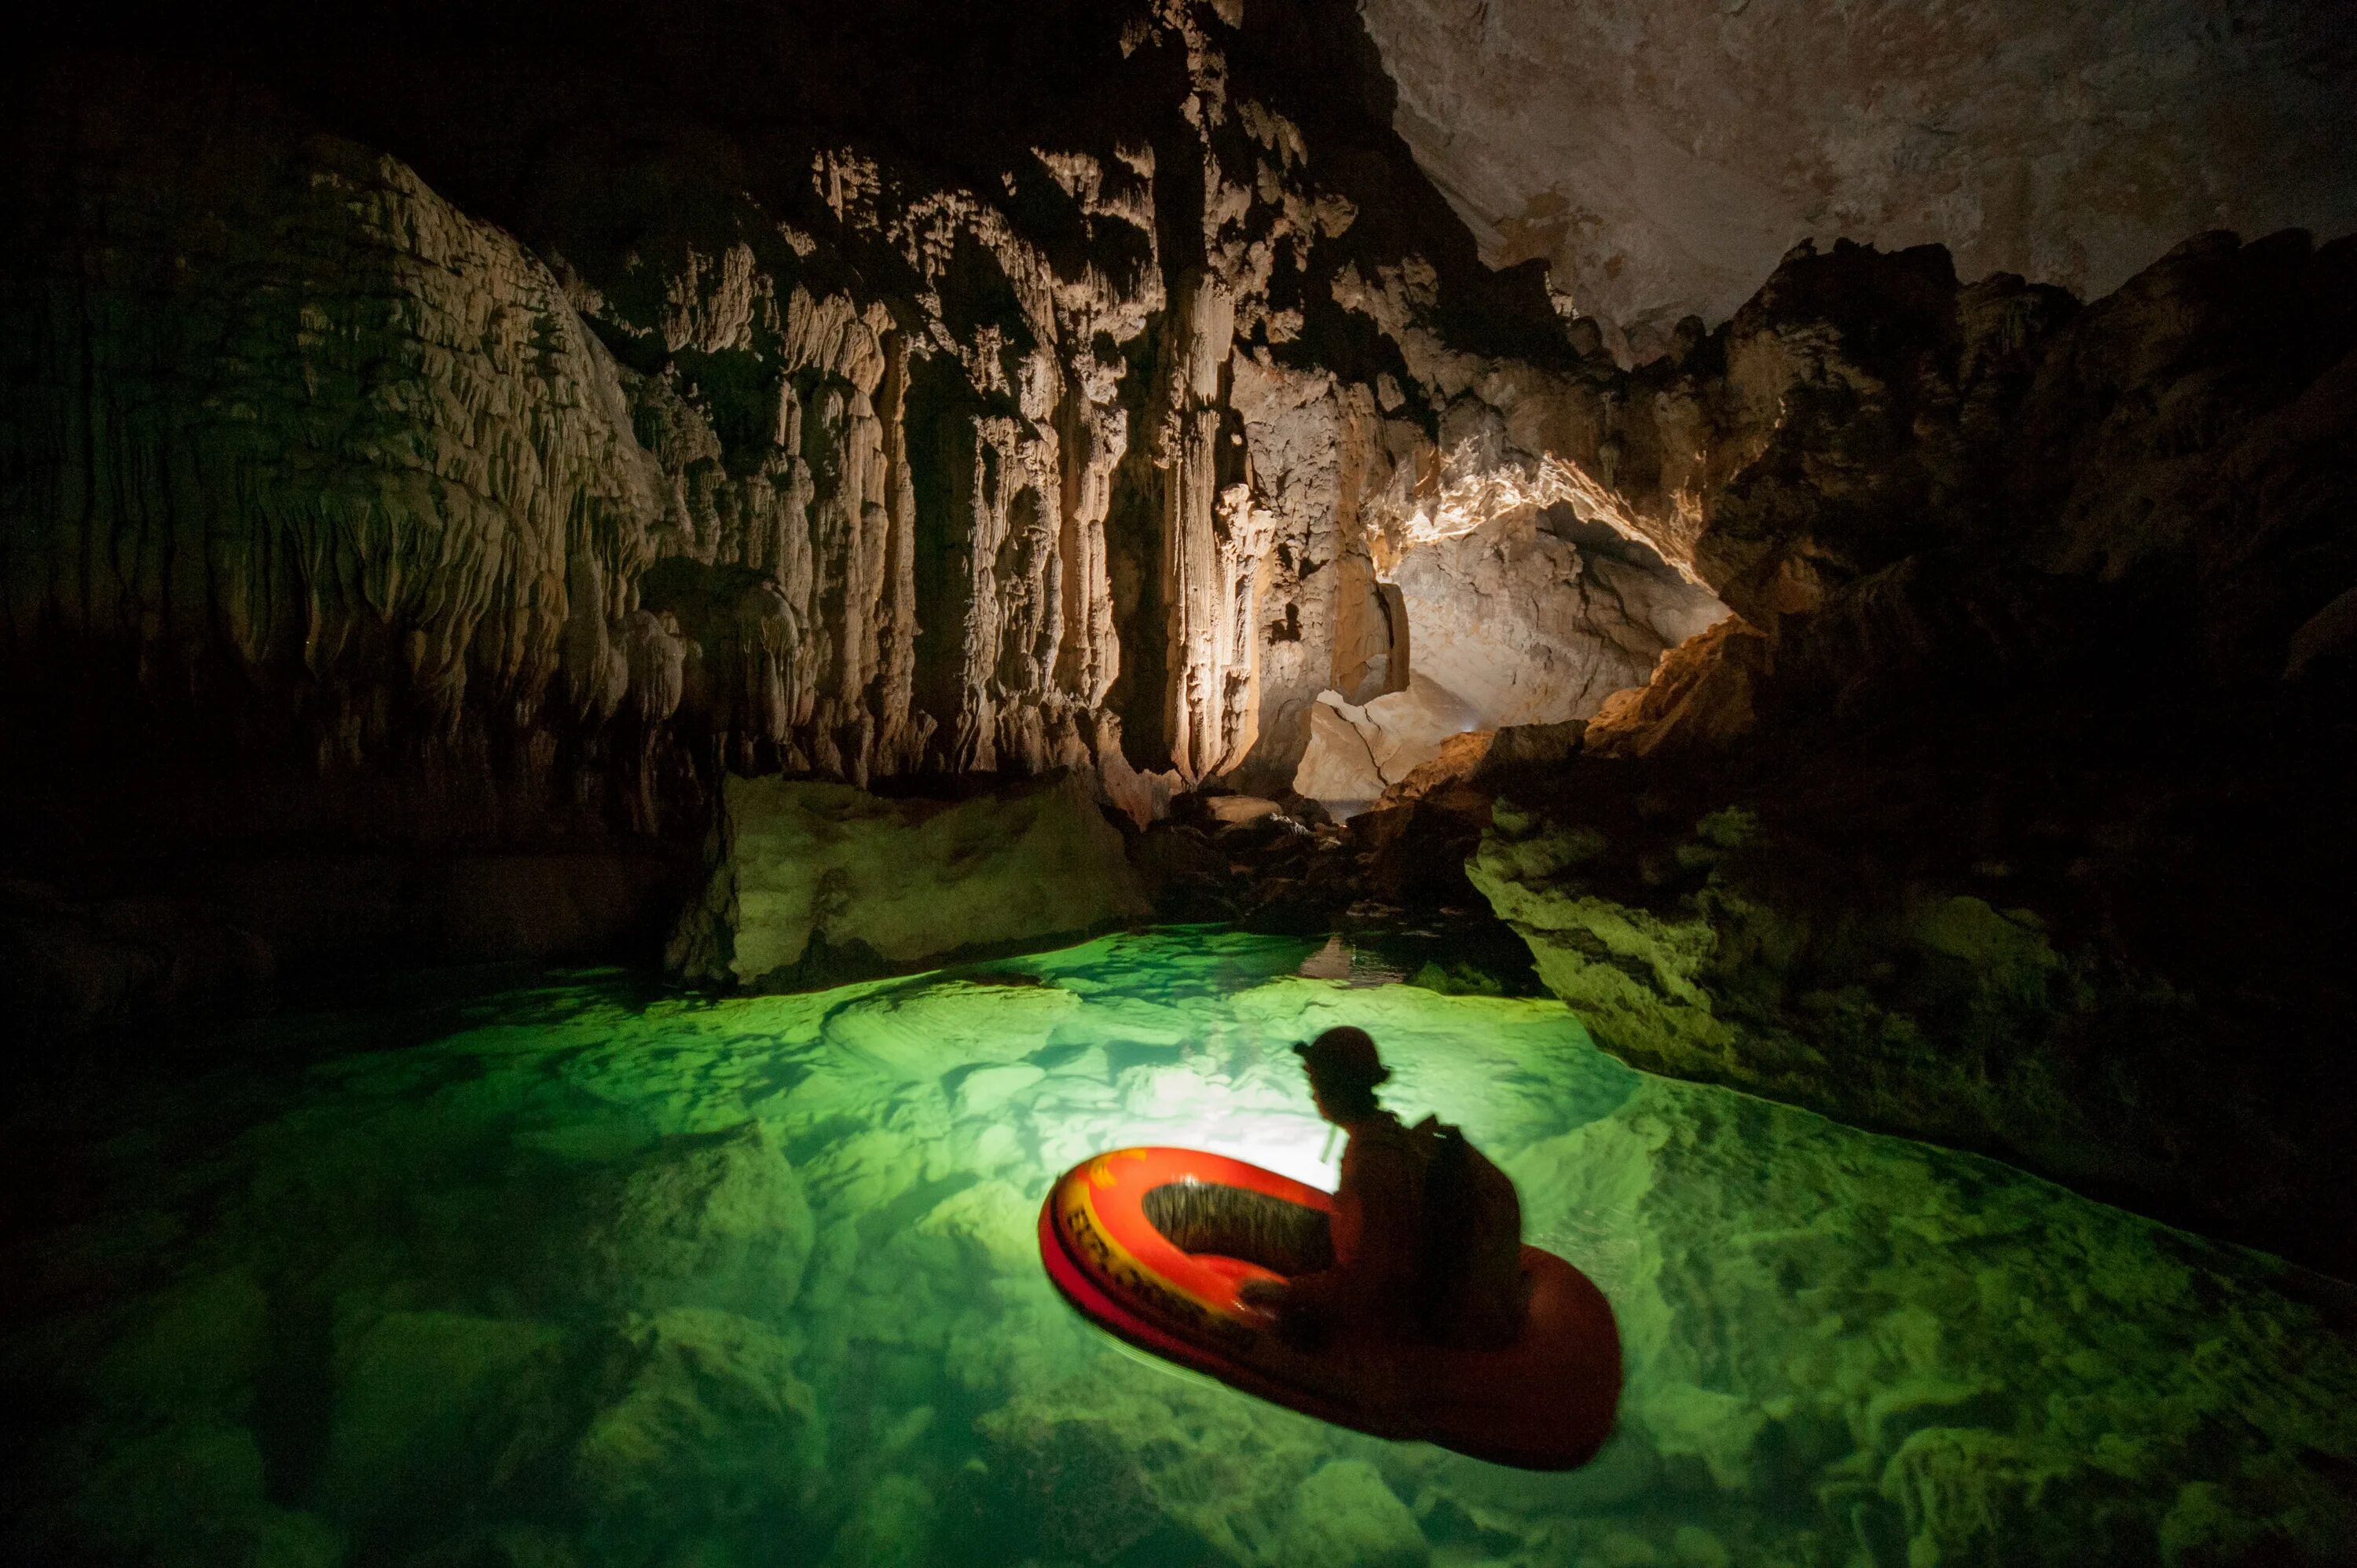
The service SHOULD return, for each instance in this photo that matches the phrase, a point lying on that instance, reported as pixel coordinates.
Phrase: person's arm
(1376, 1230)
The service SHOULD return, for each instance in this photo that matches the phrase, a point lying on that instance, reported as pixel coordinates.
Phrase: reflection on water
(576, 1276)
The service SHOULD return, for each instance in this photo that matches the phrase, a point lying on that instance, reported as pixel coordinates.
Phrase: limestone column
(1202, 328)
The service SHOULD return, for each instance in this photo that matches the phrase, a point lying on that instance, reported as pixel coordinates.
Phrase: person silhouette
(1426, 1232)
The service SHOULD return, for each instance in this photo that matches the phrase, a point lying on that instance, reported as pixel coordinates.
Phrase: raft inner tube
(1217, 1224)
(1153, 1244)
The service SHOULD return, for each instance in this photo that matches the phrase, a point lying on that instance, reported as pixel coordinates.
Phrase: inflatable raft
(1153, 1243)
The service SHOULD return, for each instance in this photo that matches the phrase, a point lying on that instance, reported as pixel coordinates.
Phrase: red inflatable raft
(1152, 1244)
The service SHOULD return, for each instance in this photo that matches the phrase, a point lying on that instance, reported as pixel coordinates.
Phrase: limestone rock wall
(1658, 158)
(374, 450)
(535, 526)
(1159, 440)
(1917, 839)
(276, 416)
(727, 455)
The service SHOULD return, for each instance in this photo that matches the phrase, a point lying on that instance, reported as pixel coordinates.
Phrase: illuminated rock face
(1659, 157)
(1536, 618)
(814, 882)
(497, 530)
(1911, 840)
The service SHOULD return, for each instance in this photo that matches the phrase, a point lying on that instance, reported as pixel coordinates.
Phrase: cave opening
(1519, 615)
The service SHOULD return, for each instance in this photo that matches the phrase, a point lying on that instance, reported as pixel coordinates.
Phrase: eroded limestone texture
(813, 883)
(805, 457)
(871, 474)
(1658, 158)
(849, 468)
(1916, 840)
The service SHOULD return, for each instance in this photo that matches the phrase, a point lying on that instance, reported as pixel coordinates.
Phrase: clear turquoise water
(581, 1275)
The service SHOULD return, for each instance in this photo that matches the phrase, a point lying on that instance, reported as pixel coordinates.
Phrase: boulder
(438, 1393)
(1337, 771)
(1345, 1517)
(1537, 615)
(814, 883)
(891, 1527)
(703, 1422)
(1701, 695)
(707, 1220)
(1235, 810)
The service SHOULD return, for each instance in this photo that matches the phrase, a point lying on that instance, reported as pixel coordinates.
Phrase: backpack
(1455, 1222)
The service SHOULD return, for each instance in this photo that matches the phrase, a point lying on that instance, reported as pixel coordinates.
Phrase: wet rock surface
(1915, 840)
(2020, 941)
(575, 1275)
(812, 883)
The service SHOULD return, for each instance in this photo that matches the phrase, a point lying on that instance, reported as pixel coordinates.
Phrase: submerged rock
(892, 1528)
(711, 1432)
(422, 1394)
(1839, 1347)
(709, 1220)
(1345, 1517)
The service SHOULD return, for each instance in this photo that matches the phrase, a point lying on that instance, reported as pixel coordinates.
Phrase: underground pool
(585, 1273)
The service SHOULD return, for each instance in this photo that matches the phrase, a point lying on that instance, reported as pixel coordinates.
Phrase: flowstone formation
(835, 467)
(568, 1276)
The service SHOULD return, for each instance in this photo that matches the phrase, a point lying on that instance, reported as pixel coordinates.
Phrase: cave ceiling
(1659, 155)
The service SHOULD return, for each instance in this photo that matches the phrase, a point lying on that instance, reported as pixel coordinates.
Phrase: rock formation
(429, 454)
(1658, 158)
(1531, 617)
(1921, 840)
(812, 883)
(344, 514)
(829, 476)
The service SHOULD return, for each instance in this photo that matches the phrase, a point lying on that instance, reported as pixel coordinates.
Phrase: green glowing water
(570, 1276)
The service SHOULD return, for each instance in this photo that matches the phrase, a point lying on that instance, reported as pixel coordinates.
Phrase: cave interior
(655, 660)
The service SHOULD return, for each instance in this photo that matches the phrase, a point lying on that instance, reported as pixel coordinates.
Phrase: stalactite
(441, 492)
(1202, 327)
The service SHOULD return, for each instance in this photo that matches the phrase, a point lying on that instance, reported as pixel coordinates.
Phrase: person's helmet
(1343, 1056)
